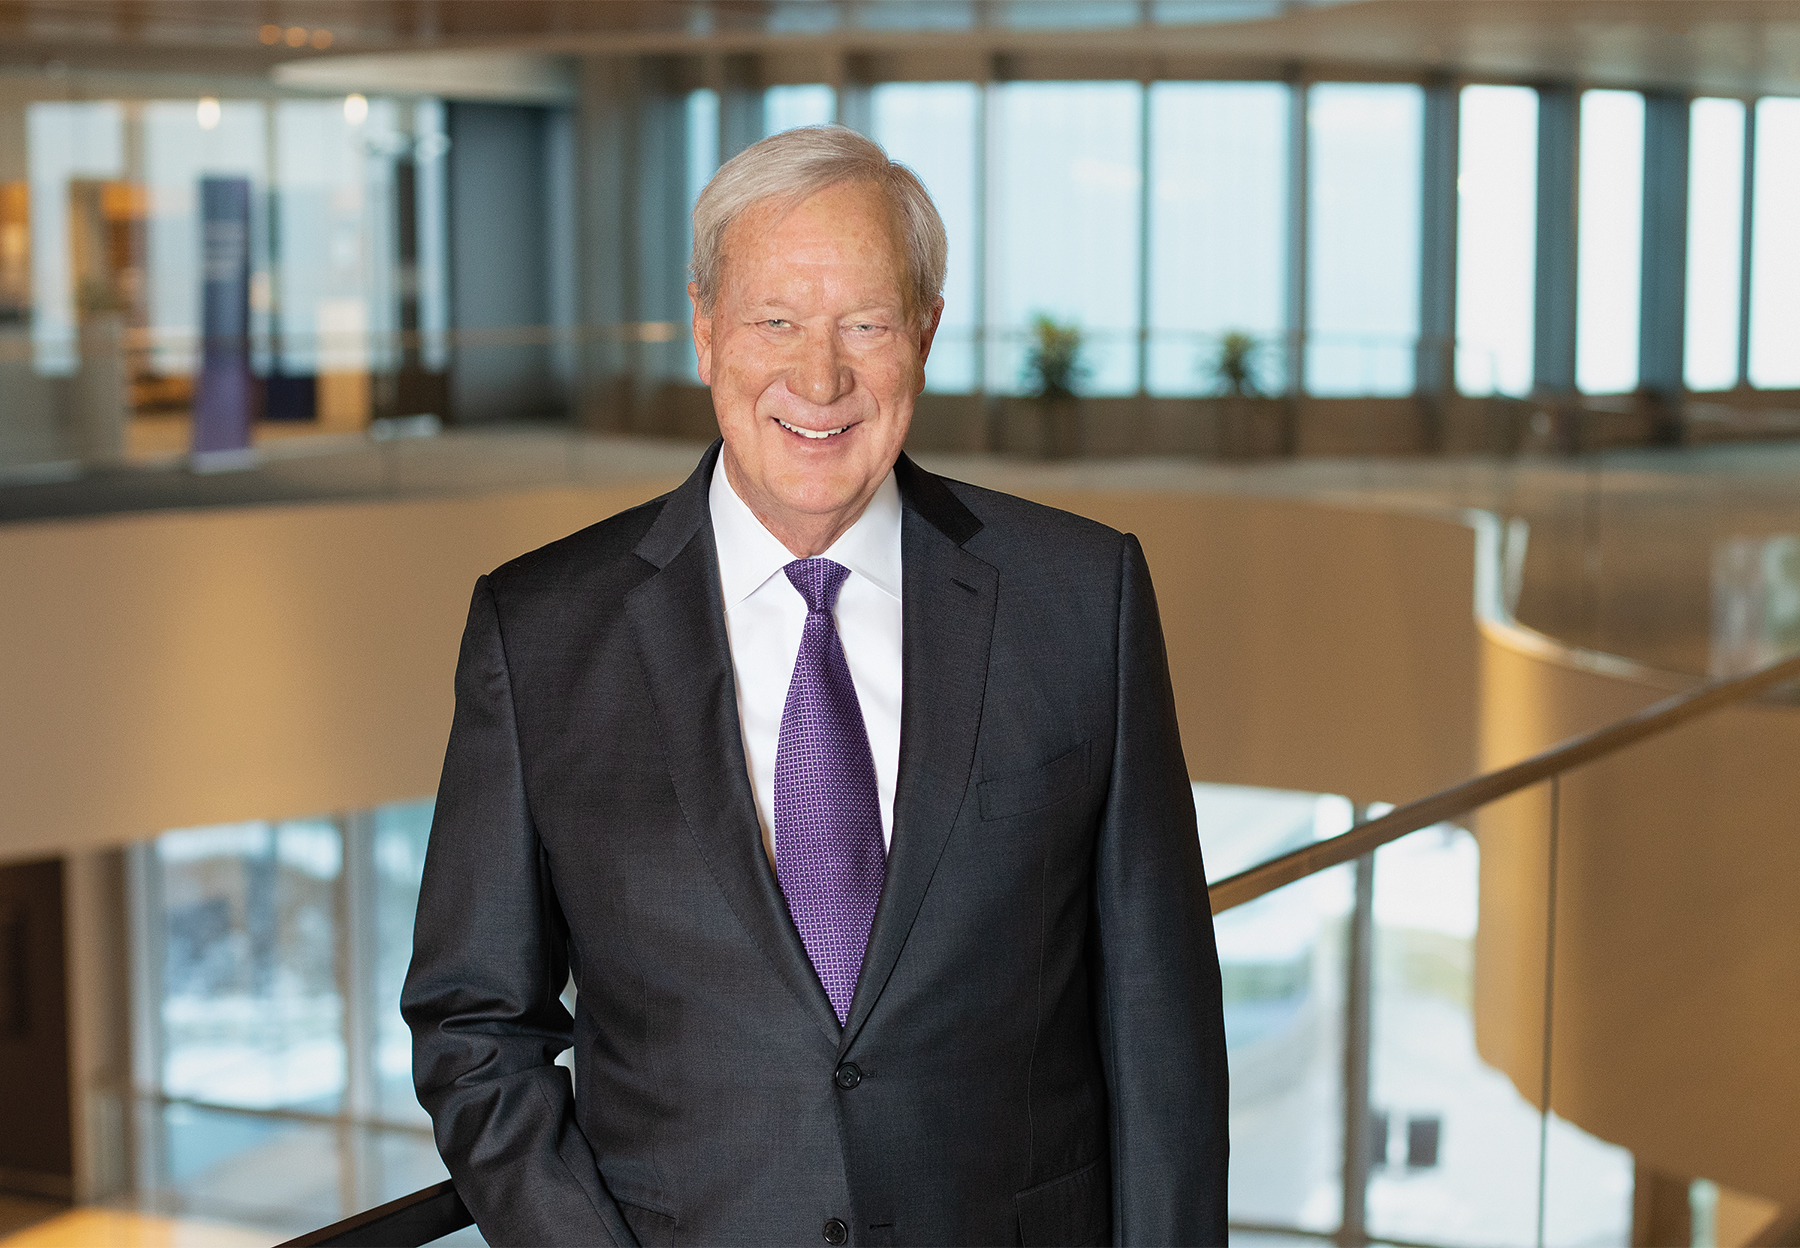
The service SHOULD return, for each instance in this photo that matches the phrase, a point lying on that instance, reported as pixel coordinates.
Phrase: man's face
(814, 359)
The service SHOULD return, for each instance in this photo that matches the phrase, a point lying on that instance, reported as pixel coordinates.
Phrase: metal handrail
(437, 1211)
(1460, 799)
(427, 1214)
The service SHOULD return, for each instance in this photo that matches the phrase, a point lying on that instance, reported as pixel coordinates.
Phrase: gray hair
(796, 164)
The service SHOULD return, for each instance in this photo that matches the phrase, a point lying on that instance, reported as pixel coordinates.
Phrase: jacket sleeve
(483, 993)
(1161, 1022)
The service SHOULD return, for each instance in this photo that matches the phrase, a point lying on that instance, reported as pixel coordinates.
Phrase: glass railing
(1440, 1041)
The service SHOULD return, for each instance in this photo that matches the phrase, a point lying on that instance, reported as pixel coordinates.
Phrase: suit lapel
(948, 603)
(687, 659)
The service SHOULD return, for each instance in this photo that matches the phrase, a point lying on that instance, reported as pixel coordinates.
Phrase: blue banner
(224, 397)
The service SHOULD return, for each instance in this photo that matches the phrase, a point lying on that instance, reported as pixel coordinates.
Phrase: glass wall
(1218, 231)
(346, 238)
(1362, 298)
(1609, 241)
(1063, 228)
(1715, 241)
(934, 127)
(1775, 254)
(1496, 239)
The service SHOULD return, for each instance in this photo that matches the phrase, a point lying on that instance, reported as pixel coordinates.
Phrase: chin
(813, 495)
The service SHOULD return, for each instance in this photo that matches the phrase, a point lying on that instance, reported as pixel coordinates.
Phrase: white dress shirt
(764, 617)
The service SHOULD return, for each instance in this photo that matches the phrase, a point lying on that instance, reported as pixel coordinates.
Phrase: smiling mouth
(815, 434)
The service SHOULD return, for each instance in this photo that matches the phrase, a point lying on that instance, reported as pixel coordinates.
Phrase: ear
(703, 335)
(928, 335)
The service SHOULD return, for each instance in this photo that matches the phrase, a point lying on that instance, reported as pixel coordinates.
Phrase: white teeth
(810, 433)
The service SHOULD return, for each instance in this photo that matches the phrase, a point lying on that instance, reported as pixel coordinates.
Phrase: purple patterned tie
(828, 851)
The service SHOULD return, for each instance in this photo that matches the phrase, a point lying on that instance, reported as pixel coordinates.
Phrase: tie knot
(818, 581)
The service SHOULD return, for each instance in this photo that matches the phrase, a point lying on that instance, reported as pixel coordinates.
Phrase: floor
(115, 1228)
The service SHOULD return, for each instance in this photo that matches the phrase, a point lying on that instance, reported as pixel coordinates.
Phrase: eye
(775, 322)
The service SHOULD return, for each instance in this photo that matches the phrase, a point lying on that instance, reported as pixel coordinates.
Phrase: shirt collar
(749, 554)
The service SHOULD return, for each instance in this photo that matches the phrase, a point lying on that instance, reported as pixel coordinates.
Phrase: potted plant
(1053, 370)
(1232, 371)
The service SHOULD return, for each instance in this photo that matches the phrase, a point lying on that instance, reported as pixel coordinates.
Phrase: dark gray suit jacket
(1035, 1053)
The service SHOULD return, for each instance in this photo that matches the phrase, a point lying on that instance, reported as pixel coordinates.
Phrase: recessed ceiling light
(269, 34)
(296, 36)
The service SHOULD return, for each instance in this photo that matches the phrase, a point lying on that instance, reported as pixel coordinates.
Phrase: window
(1775, 252)
(180, 150)
(251, 1011)
(274, 1066)
(702, 163)
(931, 128)
(1496, 240)
(1063, 226)
(812, 104)
(1609, 241)
(1218, 229)
(1363, 275)
(1715, 237)
(65, 141)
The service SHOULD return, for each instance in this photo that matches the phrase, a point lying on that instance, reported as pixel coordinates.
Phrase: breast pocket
(1025, 791)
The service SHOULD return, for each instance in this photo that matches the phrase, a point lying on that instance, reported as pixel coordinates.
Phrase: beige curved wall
(174, 669)
(1677, 964)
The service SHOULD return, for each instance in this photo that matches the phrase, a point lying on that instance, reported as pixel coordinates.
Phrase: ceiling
(1736, 46)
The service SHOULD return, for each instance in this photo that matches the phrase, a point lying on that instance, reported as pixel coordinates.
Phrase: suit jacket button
(847, 1077)
(836, 1232)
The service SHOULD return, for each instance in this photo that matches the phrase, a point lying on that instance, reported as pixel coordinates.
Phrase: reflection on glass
(1609, 241)
(1063, 218)
(279, 1175)
(811, 104)
(1218, 259)
(243, 1168)
(1496, 240)
(1775, 254)
(1281, 958)
(930, 127)
(1756, 603)
(1362, 302)
(400, 833)
(251, 1011)
(1714, 242)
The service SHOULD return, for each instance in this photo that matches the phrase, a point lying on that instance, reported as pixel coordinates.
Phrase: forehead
(849, 228)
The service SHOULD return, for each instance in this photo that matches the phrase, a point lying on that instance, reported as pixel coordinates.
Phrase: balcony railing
(437, 1211)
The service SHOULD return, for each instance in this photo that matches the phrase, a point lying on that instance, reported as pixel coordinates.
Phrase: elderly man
(850, 797)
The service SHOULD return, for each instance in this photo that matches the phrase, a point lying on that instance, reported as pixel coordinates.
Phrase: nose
(819, 374)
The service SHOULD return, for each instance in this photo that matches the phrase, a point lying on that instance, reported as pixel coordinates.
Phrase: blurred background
(1445, 355)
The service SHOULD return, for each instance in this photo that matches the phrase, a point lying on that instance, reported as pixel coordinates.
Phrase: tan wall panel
(1312, 648)
(188, 668)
